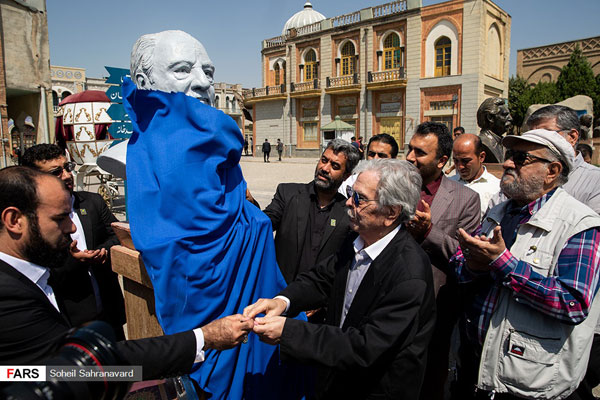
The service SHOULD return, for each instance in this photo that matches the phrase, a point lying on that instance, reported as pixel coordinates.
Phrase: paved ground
(263, 178)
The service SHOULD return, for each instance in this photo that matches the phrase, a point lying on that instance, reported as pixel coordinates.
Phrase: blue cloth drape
(208, 251)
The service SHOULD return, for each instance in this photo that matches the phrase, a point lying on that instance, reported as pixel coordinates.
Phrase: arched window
(392, 52)
(65, 94)
(55, 99)
(348, 59)
(277, 75)
(216, 101)
(494, 52)
(443, 56)
(310, 66)
(284, 77)
(227, 103)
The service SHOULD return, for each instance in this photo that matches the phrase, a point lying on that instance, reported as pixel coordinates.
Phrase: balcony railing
(305, 86)
(389, 9)
(387, 76)
(383, 10)
(262, 92)
(346, 19)
(342, 81)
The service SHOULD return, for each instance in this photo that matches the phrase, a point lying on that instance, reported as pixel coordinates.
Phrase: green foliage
(544, 93)
(577, 77)
(517, 99)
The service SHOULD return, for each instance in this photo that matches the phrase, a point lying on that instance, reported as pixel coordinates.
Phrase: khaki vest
(526, 352)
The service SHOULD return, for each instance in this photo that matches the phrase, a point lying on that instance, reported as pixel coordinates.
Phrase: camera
(92, 345)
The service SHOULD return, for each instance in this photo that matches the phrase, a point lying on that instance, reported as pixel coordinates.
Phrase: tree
(543, 93)
(577, 77)
(517, 99)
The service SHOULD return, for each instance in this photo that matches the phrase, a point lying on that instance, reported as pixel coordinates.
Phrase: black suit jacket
(289, 213)
(72, 281)
(33, 330)
(380, 351)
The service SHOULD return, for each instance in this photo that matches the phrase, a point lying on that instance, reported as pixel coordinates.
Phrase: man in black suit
(310, 218)
(379, 293)
(35, 230)
(89, 288)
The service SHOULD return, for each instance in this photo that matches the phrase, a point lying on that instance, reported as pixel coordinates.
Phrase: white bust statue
(169, 61)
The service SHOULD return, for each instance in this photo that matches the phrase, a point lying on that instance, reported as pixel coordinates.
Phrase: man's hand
(480, 251)
(226, 332)
(269, 307)
(420, 224)
(269, 329)
(98, 256)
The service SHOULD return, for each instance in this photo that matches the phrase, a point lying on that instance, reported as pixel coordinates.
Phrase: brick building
(544, 63)
(382, 69)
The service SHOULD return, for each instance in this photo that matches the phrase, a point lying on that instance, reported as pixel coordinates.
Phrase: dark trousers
(266, 155)
(280, 152)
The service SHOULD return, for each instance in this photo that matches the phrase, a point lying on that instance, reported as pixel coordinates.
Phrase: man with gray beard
(528, 278)
(310, 218)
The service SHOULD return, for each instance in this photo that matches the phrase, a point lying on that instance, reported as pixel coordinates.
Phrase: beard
(41, 252)
(522, 189)
(329, 184)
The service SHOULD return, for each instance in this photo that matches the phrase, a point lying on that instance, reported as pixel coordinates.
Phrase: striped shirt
(566, 296)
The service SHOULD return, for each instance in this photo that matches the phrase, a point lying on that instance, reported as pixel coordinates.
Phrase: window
(310, 66)
(443, 56)
(446, 120)
(310, 132)
(348, 59)
(441, 105)
(283, 70)
(277, 76)
(216, 101)
(392, 52)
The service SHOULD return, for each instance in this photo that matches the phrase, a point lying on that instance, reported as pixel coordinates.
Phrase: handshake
(230, 331)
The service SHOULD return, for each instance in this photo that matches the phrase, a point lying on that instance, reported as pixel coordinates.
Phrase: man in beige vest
(529, 278)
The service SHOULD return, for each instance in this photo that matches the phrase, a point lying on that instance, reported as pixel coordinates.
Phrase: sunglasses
(356, 199)
(520, 157)
(69, 167)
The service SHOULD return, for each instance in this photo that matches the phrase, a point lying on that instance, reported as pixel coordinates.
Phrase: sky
(92, 35)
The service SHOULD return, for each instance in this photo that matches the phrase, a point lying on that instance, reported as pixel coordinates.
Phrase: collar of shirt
(483, 178)
(376, 248)
(35, 273)
(315, 199)
(432, 187)
(530, 208)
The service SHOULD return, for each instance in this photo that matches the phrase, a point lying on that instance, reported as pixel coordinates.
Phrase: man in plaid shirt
(529, 275)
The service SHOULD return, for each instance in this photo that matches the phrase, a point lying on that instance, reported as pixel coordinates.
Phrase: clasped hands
(270, 327)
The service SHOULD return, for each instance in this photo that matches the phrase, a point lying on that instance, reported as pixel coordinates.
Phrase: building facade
(382, 69)
(25, 85)
(544, 63)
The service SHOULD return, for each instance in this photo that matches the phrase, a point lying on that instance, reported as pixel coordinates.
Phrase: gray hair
(566, 118)
(399, 184)
(351, 153)
(142, 56)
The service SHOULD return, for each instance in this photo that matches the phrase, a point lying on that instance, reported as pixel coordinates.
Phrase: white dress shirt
(486, 186)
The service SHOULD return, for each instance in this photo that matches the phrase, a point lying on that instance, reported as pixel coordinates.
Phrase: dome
(302, 18)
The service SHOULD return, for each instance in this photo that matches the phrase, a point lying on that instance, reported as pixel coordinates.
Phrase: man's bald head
(468, 156)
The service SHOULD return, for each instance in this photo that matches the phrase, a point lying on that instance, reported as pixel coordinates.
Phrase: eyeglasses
(69, 167)
(520, 157)
(356, 199)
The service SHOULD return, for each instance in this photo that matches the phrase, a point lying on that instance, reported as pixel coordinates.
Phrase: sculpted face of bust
(493, 115)
(173, 61)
